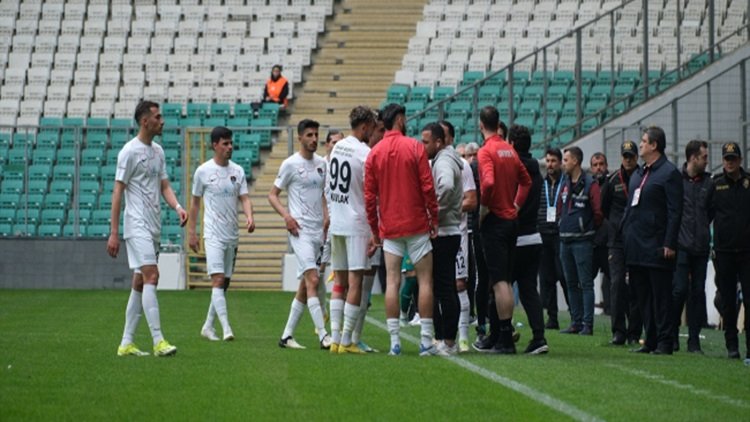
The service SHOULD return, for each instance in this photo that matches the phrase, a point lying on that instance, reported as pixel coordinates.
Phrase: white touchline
(676, 384)
(516, 386)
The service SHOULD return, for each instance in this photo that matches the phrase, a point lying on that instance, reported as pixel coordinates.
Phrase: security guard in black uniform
(731, 203)
(623, 304)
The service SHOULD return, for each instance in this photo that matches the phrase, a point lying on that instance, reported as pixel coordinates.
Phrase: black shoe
(642, 349)
(694, 346)
(573, 329)
(537, 347)
(676, 346)
(500, 349)
(552, 324)
(633, 340)
(618, 339)
(733, 354)
(587, 330)
(659, 351)
(484, 344)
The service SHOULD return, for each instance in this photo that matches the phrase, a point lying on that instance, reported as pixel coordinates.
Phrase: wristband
(177, 207)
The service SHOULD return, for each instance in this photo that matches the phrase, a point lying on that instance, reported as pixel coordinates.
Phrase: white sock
(337, 314)
(295, 313)
(351, 315)
(132, 316)
(219, 302)
(209, 324)
(322, 294)
(463, 318)
(427, 332)
(393, 330)
(367, 282)
(151, 309)
(316, 312)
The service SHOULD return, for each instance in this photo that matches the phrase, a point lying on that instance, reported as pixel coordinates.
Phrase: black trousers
(550, 272)
(731, 268)
(525, 272)
(601, 253)
(482, 292)
(654, 290)
(689, 286)
(471, 283)
(623, 298)
(445, 305)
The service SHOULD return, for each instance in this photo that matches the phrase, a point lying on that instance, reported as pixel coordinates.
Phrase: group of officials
(381, 190)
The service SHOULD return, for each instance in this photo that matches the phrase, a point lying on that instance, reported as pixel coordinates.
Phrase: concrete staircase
(359, 55)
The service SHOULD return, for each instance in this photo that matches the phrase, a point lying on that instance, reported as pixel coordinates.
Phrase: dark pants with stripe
(445, 305)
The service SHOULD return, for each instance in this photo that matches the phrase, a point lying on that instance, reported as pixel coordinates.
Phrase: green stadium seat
(92, 155)
(628, 76)
(69, 231)
(221, 110)
(171, 141)
(172, 234)
(12, 186)
(9, 199)
(557, 92)
(97, 125)
(174, 173)
(38, 186)
(89, 186)
(63, 171)
(563, 78)
(101, 216)
(171, 110)
(498, 79)
(19, 156)
(199, 110)
(414, 107)
(420, 93)
(238, 122)
(243, 110)
(490, 93)
(589, 76)
(471, 76)
(461, 109)
(14, 172)
(397, 93)
(441, 92)
(191, 122)
(98, 230)
(89, 172)
(23, 139)
(171, 156)
(50, 124)
(108, 174)
(30, 215)
(3, 154)
(61, 186)
(96, 140)
(5, 139)
(21, 229)
(104, 202)
(119, 139)
(44, 156)
(111, 156)
(212, 122)
(7, 215)
(87, 201)
(40, 171)
(66, 156)
(83, 217)
(265, 140)
(57, 200)
(6, 230)
(53, 216)
(47, 141)
(269, 111)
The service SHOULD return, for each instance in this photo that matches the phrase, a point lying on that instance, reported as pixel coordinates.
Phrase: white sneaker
(290, 343)
(210, 334)
(325, 342)
(445, 350)
(416, 321)
(428, 351)
(228, 335)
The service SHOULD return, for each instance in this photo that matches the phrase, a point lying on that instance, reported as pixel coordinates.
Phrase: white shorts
(462, 258)
(349, 253)
(306, 248)
(325, 257)
(142, 251)
(416, 246)
(220, 257)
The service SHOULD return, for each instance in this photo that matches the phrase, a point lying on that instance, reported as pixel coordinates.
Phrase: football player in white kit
(350, 233)
(468, 204)
(220, 182)
(302, 175)
(142, 176)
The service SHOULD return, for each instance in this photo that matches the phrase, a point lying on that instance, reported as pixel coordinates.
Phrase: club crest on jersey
(233, 179)
(320, 171)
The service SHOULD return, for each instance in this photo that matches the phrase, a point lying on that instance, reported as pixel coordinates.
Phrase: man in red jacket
(402, 210)
(504, 185)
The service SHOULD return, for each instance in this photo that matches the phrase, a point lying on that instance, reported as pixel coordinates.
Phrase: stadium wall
(75, 264)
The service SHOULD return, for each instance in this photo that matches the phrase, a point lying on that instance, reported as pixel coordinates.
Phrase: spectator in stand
(277, 88)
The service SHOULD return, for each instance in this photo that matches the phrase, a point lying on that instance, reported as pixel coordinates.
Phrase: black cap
(731, 149)
(628, 148)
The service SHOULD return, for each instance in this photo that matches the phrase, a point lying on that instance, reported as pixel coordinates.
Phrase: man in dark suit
(650, 227)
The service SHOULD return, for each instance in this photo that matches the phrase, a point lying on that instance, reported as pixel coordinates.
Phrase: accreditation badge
(636, 198)
(551, 214)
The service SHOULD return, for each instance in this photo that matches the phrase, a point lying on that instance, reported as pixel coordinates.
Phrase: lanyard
(646, 172)
(546, 191)
(624, 185)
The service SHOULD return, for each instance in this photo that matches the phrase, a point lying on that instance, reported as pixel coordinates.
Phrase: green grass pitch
(58, 362)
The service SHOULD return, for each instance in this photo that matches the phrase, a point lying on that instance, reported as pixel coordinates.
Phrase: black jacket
(474, 214)
(697, 213)
(614, 200)
(731, 202)
(549, 188)
(654, 223)
(527, 215)
(601, 236)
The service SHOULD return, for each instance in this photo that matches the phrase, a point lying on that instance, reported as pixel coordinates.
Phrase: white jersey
(220, 188)
(345, 188)
(141, 168)
(303, 180)
(468, 182)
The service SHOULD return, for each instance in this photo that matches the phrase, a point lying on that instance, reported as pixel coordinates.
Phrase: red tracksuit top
(503, 179)
(399, 190)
